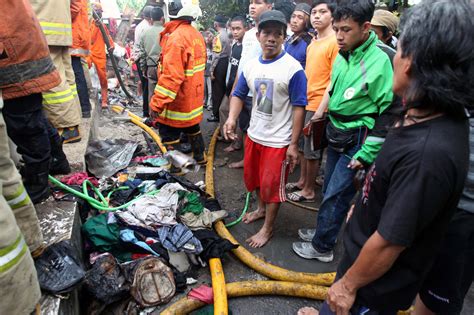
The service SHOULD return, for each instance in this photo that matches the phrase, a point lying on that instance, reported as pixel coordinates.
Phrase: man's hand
(292, 156)
(154, 115)
(229, 130)
(355, 164)
(317, 116)
(212, 76)
(340, 298)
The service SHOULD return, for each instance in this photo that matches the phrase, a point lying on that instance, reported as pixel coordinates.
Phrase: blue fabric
(268, 61)
(128, 236)
(176, 237)
(241, 89)
(297, 50)
(338, 191)
(297, 89)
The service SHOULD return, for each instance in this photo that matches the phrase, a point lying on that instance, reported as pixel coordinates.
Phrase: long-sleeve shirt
(139, 31)
(150, 47)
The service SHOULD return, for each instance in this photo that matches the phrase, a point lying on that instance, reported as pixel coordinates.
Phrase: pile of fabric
(167, 220)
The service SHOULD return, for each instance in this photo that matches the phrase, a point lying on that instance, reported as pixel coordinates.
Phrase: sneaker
(306, 234)
(86, 114)
(70, 135)
(306, 250)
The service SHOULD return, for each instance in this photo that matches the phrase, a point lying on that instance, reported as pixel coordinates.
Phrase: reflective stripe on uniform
(196, 69)
(169, 114)
(11, 255)
(58, 97)
(74, 89)
(50, 28)
(79, 51)
(165, 92)
(19, 199)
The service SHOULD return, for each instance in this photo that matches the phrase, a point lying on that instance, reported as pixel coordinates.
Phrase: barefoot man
(278, 83)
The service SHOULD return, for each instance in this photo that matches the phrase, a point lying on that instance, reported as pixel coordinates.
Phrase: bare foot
(253, 216)
(307, 311)
(230, 148)
(239, 164)
(259, 239)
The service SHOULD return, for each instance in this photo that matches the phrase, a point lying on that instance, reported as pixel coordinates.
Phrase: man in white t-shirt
(250, 49)
(278, 83)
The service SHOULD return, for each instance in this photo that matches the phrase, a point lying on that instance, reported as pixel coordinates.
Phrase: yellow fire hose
(138, 121)
(253, 288)
(299, 205)
(215, 265)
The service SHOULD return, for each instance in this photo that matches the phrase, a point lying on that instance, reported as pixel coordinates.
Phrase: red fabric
(78, 179)
(265, 169)
(203, 293)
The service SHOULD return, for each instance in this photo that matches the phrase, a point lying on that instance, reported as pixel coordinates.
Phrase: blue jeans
(338, 191)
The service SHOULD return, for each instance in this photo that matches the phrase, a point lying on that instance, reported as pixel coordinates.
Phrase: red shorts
(265, 169)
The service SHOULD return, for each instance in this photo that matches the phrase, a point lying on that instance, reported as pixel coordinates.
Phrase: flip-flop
(290, 187)
(296, 197)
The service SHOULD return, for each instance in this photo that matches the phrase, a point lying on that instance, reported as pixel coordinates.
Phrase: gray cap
(303, 7)
(272, 16)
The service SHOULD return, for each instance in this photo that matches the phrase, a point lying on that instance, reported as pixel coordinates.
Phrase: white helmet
(182, 9)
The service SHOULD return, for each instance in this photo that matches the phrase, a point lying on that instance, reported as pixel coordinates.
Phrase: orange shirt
(320, 56)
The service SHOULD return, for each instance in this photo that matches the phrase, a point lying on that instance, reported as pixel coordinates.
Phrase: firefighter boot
(197, 144)
(35, 179)
(59, 163)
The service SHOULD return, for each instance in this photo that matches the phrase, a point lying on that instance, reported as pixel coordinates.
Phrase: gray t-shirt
(466, 202)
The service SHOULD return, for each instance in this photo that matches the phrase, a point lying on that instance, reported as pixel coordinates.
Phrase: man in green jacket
(361, 91)
(150, 50)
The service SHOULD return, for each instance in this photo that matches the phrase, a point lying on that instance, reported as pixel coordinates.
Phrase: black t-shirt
(234, 60)
(409, 195)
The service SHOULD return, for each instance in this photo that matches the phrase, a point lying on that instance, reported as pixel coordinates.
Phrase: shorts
(452, 273)
(308, 152)
(265, 169)
(244, 117)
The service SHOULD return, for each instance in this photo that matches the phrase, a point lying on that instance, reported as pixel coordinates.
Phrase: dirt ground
(230, 192)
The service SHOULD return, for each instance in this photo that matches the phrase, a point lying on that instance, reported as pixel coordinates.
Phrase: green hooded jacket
(361, 90)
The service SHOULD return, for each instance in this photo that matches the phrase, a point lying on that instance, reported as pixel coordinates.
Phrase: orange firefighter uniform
(25, 68)
(98, 57)
(80, 29)
(177, 102)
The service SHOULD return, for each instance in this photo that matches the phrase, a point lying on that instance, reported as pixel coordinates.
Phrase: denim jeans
(338, 191)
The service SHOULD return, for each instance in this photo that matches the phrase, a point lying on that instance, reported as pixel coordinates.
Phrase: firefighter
(80, 50)
(177, 104)
(26, 70)
(23, 78)
(61, 103)
(98, 55)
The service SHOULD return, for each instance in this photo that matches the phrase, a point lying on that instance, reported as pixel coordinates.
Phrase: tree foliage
(228, 8)
(135, 5)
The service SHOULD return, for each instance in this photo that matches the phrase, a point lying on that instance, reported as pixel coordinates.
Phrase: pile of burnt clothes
(140, 255)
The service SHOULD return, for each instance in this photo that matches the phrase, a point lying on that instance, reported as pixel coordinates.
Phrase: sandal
(297, 197)
(292, 187)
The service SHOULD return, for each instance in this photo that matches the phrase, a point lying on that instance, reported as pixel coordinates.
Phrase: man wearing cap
(221, 52)
(384, 24)
(141, 28)
(296, 45)
(278, 83)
